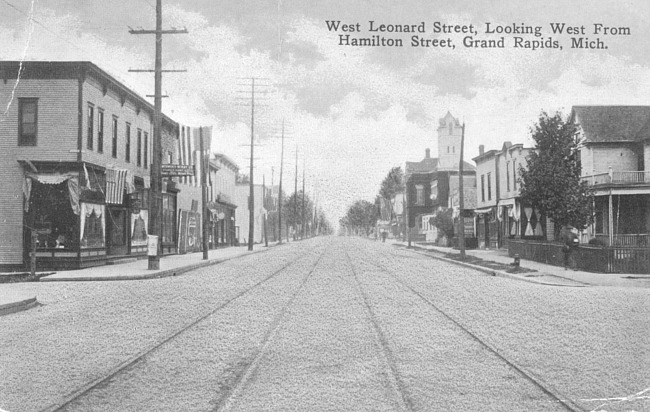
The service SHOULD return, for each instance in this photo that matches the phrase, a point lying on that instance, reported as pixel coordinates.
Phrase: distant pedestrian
(384, 235)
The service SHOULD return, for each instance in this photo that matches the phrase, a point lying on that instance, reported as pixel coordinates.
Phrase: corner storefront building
(75, 154)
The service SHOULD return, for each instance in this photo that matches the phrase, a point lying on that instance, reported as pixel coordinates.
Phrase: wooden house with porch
(615, 160)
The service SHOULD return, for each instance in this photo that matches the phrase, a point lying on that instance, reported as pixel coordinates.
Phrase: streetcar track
(536, 381)
(398, 384)
(133, 360)
(226, 400)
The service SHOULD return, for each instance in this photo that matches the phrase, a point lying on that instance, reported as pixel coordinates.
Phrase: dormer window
(451, 128)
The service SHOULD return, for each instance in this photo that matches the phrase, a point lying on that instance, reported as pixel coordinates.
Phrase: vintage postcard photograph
(324, 205)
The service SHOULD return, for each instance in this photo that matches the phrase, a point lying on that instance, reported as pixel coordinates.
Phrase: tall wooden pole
(295, 200)
(204, 197)
(251, 194)
(155, 192)
(155, 203)
(461, 197)
(302, 213)
(280, 193)
(266, 212)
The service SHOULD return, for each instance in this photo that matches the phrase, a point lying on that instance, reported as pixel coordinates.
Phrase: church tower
(449, 135)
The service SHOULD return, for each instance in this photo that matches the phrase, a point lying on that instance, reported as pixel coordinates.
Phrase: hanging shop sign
(177, 170)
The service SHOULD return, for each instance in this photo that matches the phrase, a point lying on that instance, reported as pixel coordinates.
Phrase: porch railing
(627, 240)
(622, 177)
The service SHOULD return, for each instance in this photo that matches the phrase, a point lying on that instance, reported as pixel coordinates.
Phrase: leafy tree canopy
(392, 184)
(361, 216)
(551, 182)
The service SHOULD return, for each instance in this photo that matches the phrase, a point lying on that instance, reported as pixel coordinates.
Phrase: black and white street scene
(324, 205)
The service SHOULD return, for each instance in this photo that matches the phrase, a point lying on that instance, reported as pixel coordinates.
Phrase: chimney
(427, 153)
(481, 149)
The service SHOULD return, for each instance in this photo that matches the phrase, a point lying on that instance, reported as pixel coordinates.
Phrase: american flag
(115, 181)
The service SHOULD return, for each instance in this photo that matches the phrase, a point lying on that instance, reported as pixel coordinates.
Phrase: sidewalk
(13, 298)
(546, 274)
(170, 265)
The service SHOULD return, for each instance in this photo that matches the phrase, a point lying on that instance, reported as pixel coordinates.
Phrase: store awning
(483, 211)
(507, 202)
(53, 179)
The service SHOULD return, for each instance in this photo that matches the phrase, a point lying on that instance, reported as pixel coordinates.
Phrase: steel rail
(549, 391)
(242, 378)
(133, 360)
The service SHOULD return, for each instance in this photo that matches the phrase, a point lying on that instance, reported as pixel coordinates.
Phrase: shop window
(169, 218)
(139, 227)
(53, 219)
(93, 226)
(27, 121)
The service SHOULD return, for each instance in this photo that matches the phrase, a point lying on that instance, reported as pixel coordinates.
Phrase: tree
(551, 182)
(444, 222)
(361, 217)
(296, 219)
(392, 184)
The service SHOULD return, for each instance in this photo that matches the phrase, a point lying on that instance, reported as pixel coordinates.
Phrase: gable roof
(426, 165)
(613, 123)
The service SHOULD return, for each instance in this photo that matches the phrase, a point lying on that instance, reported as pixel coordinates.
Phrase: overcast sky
(352, 112)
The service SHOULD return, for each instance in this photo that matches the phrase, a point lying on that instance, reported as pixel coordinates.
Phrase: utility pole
(264, 206)
(275, 234)
(204, 196)
(295, 199)
(302, 214)
(280, 193)
(155, 193)
(461, 197)
(251, 192)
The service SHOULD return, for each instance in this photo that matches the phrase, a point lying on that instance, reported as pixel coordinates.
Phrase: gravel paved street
(327, 324)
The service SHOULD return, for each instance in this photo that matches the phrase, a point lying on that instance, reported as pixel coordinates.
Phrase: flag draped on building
(115, 184)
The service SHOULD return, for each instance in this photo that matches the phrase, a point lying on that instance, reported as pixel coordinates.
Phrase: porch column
(611, 220)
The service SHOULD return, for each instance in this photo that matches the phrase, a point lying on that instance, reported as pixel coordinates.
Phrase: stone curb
(156, 275)
(495, 272)
(13, 307)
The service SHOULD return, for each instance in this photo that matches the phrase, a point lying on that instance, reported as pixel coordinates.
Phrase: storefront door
(117, 232)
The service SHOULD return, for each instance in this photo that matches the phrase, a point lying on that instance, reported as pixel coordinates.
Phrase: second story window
(100, 130)
(27, 121)
(146, 150)
(138, 153)
(127, 138)
(507, 176)
(514, 175)
(489, 183)
(482, 188)
(419, 195)
(114, 137)
(91, 126)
